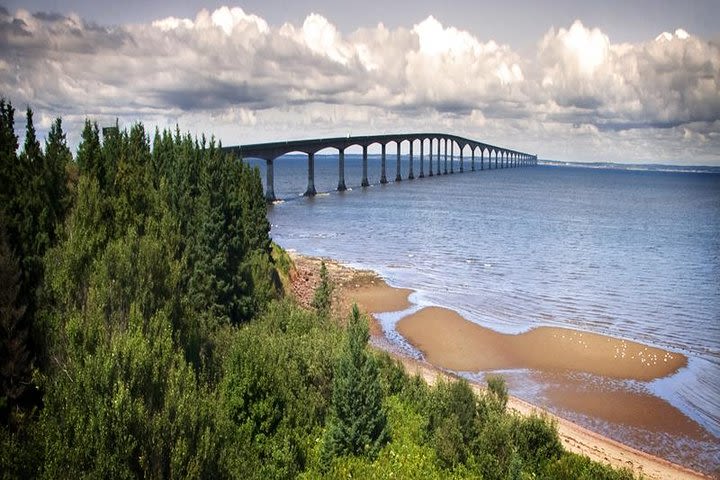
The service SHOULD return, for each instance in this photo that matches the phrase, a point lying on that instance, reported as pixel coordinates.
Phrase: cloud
(580, 94)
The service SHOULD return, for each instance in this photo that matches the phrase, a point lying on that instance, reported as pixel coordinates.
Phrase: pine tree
(89, 155)
(57, 158)
(323, 293)
(357, 425)
(8, 153)
(15, 358)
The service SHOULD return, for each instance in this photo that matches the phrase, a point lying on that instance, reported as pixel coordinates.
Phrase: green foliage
(15, 365)
(537, 441)
(391, 371)
(358, 423)
(33, 203)
(276, 391)
(571, 466)
(322, 298)
(128, 407)
(452, 421)
(231, 275)
(140, 293)
(497, 393)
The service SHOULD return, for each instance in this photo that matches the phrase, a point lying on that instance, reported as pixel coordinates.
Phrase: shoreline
(450, 345)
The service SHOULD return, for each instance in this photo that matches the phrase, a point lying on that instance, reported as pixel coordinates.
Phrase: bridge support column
(411, 176)
(472, 160)
(365, 182)
(462, 168)
(422, 151)
(269, 181)
(398, 177)
(341, 171)
(430, 159)
(311, 176)
(482, 155)
(445, 169)
(383, 178)
(497, 154)
(438, 156)
(452, 156)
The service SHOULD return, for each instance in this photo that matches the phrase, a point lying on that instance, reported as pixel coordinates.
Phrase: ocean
(631, 253)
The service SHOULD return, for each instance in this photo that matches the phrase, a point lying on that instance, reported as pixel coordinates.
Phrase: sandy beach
(449, 342)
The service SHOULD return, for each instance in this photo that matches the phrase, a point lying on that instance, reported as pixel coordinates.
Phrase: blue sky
(635, 82)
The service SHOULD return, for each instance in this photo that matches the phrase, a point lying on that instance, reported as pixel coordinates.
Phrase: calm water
(634, 254)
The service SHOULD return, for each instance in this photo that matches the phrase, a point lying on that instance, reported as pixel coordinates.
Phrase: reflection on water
(633, 254)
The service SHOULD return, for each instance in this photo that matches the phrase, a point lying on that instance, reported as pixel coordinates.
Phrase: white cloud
(580, 95)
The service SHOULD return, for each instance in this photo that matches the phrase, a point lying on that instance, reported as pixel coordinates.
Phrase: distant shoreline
(374, 296)
(640, 167)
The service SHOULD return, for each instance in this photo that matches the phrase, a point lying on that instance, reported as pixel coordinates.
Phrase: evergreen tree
(15, 359)
(89, 155)
(358, 424)
(8, 153)
(322, 298)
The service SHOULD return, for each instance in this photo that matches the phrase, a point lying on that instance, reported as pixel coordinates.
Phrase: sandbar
(450, 341)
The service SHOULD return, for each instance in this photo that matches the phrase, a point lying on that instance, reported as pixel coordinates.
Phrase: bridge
(438, 143)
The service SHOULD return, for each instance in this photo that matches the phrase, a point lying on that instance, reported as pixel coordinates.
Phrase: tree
(357, 423)
(9, 176)
(15, 358)
(57, 159)
(89, 155)
(322, 299)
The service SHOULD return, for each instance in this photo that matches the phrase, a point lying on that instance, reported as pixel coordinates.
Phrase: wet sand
(449, 341)
(557, 355)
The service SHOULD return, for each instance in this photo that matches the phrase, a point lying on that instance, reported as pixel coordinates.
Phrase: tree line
(144, 332)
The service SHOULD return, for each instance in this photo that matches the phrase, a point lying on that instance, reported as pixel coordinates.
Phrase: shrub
(537, 440)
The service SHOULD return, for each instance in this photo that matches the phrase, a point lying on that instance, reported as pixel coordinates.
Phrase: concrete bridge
(438, 145)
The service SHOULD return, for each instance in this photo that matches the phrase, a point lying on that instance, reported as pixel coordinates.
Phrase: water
(628, 253)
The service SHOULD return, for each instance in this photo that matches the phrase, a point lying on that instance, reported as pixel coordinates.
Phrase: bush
(571, 466)
(537, 440)
(452, 420)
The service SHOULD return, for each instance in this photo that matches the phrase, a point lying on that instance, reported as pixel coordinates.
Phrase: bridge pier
(341, 171)
(383, 177)
(497, 154)
(472, 160)
(398, 177)
(482, 155)
(445, 172)
(438, 156)
(411, 176)
(462, 168)
(311, 176)
(452, 156)
(430, 157)
(422, 151)
(365, 182)
(269, 181)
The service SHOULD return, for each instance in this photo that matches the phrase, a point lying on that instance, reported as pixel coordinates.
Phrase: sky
(620, 81)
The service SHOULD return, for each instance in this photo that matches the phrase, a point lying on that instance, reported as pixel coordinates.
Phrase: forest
(145, 332)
